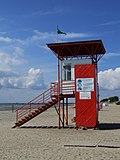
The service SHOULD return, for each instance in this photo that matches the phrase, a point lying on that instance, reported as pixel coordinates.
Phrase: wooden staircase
(36, 106)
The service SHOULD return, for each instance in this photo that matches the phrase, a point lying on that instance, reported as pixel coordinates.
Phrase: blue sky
(27, 66)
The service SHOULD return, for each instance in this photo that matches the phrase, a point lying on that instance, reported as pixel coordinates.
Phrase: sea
(14, 106)
(10, 106)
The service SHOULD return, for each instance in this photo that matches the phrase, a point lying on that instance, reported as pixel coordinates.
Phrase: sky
(27, 66)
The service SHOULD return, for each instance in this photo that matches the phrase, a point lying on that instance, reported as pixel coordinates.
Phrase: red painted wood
(86, 112)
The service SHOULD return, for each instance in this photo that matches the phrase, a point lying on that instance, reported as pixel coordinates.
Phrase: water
(10, 106)
(14, 106)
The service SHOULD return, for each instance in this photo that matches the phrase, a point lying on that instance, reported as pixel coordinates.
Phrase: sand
(49, 144)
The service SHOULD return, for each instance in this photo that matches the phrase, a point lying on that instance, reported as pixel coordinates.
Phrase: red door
(86, 105)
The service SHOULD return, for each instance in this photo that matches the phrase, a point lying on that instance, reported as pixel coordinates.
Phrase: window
(67, 72)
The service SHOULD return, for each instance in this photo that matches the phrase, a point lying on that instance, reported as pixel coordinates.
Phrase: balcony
(67, 88)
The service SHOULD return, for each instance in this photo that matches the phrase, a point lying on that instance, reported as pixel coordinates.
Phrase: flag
(59, 31)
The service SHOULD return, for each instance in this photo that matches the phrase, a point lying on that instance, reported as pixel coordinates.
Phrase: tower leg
(59, 115)
(63, 112)
(67, 111)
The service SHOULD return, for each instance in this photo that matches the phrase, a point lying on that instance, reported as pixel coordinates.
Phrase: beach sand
(52, 144)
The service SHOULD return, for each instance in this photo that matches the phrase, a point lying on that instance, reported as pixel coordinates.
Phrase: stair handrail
(49, 94)
(40, 99)
(32, 100)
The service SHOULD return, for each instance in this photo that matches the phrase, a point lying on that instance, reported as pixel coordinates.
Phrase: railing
(54, 89)
(37, 102)
(68, 87)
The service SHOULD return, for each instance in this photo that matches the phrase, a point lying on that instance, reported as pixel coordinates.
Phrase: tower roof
(91, 49)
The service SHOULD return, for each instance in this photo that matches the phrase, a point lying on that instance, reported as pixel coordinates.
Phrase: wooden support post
(58, 113)
(67, 111)
(63, 112)
(59, 117)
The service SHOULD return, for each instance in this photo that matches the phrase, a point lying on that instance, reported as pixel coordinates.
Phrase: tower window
(67, 72)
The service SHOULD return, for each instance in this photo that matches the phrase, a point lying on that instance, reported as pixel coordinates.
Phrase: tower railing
(68, 87)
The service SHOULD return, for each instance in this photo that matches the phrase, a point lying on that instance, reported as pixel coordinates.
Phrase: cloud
(42, 35)
(9, 60)
(77, 35)
(46, 36)
(33, 79)
(110, 23)
(112, 54)
(48, 12)
(7, 73)
(6, 39)
(44, 47)
(18, 51)
(3, 33)
(109, 79)
(37, 37)
(41, 38)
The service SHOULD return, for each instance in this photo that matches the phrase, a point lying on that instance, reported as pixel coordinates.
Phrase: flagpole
(59, 77)
(59, 117)
(57, 34)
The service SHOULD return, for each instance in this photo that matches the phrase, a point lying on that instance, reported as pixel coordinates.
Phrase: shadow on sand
(109, 126)
(101, 126)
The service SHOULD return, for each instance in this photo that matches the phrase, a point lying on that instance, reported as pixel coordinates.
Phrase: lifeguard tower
(77, 78)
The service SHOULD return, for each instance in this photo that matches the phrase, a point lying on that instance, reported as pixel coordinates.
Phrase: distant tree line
(111, 99)
(118, 103)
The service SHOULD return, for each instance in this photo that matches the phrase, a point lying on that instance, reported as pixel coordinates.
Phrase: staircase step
(50, 102)
(37, 111)
(30, 115)
(17, 124)
(24, 120)
(27, 117)
(20, 121)
(33, 113)
(55, 100)
(45, 107)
